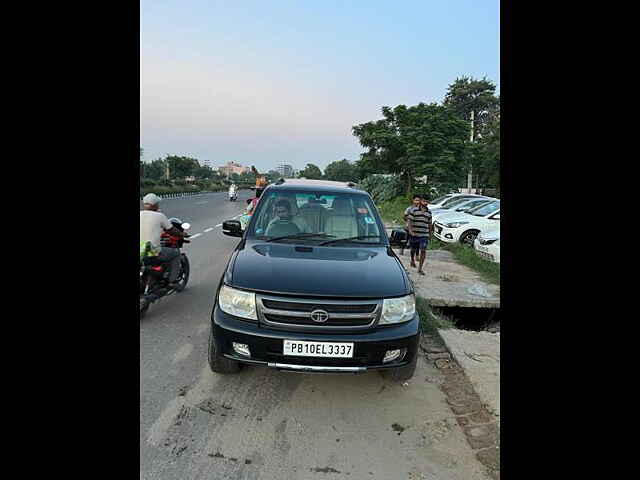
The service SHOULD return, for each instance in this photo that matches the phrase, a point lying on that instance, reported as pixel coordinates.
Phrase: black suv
(314, 286)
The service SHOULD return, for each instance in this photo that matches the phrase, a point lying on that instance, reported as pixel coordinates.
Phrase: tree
(425, 139)
(470, 98)
(342, 171)
(155, 170)
(311, 172)
(204, 172)
(181, 167)
(488, 154)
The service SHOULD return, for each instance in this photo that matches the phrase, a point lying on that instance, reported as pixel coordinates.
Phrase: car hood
(456, 217)
(313, 270)
(490, 235)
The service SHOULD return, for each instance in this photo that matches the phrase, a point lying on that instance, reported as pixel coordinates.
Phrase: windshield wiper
(301, 235)
(350, 238)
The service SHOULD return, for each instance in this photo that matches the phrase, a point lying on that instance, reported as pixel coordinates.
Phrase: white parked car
(448, 199)
(462, 205)
(487, 245)
(464, 227)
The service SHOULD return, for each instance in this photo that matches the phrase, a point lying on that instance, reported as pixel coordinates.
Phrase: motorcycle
(233, 195)
(154, 275)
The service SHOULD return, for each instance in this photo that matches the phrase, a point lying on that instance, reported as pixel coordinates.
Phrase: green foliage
(467, 95)
(392, 211)
(181, 167)
(414, 141)
(342, 171)
(467, 256)
(312, 172)
(382, 188)
(430, 321)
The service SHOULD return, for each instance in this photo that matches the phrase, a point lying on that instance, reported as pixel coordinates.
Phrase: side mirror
(186, 226)
(232, 228)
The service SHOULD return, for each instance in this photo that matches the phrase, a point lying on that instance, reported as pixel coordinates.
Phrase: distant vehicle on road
(313, 286)
(487, 245)
(233, 193)
(464, 227)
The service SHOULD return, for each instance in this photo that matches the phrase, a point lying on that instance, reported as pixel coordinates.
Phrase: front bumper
(265, 345)
(489, 252)
(447, 235)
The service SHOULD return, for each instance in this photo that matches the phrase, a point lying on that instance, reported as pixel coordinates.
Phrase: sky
(274, 81)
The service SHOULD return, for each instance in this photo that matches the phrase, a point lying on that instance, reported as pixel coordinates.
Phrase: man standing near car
(419, 224)
(415, 204)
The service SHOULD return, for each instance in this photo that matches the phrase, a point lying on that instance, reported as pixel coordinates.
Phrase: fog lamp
(392, 355)
(242, 349)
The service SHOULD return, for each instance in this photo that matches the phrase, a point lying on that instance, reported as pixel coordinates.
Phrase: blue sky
(264, 82)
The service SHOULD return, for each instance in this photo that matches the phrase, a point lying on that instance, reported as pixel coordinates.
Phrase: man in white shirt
(152, 224)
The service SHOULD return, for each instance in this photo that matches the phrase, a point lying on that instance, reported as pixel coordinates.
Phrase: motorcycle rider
(152, 224)
(232, 190)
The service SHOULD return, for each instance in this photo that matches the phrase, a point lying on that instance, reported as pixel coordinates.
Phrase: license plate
(486, 256)
(317, 349)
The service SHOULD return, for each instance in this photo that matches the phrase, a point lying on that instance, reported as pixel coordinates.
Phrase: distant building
(232, 167)
(285, 170)
(207, 163)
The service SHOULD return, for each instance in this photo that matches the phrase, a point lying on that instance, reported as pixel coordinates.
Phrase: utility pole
(470, 174)
(167, 170)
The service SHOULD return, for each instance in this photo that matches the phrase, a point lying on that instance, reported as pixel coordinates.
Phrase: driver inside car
(282, 224)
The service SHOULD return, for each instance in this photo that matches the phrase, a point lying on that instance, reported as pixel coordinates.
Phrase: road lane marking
(196, 235)
(219, 225)
(207, 230)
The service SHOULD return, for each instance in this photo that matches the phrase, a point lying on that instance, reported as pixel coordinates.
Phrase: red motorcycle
(154, 275)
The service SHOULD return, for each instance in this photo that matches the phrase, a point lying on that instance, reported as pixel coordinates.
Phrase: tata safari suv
(313, 286)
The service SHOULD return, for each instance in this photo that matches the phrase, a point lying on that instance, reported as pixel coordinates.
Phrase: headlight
(398, 310)
(455, 224)
(237, 303)
(488, 242)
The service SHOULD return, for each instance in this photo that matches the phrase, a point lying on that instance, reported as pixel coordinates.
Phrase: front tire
(468, 237)
(144, 306)
(183, 278)
(218, 363)
(402, 374)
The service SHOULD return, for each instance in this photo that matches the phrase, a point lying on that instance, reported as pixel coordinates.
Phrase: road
(263, 424)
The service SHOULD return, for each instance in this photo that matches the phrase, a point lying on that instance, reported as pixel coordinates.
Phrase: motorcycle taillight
(157, 268)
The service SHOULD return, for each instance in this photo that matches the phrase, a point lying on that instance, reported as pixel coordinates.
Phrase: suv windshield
(308, 217)
(484, 210)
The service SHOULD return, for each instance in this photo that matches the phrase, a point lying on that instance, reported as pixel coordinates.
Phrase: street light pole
(470, 174)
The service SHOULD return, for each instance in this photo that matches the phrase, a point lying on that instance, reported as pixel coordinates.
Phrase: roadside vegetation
(467, 256)
(429, 320)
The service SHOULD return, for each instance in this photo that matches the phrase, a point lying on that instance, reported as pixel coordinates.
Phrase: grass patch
(393, 210)
(430, 321)
(468, 257)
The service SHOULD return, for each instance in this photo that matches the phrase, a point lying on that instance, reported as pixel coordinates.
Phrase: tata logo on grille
(319, 316)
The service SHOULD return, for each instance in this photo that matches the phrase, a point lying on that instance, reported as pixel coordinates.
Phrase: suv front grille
(280, 312)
